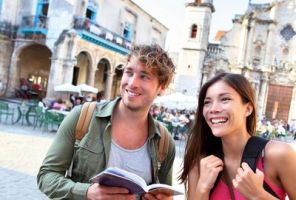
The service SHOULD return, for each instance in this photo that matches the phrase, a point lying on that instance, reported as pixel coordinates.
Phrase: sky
(171, 14)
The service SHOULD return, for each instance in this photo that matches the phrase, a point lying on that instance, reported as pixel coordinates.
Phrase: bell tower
(195, 36)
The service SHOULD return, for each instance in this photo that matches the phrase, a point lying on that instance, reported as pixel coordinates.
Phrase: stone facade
(54, 42)
(261, 45)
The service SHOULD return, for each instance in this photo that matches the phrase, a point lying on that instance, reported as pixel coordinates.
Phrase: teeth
(218, 120)
(132, 93)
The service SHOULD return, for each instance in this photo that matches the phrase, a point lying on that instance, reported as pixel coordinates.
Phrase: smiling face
(224, 110)
(139, 86)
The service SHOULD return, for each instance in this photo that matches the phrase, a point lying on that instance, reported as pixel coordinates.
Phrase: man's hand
(159, 196)
(97, 192)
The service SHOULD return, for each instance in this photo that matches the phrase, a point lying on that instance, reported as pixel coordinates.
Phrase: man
(122, 133)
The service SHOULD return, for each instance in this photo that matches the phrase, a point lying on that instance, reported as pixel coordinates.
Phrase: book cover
(116, 177)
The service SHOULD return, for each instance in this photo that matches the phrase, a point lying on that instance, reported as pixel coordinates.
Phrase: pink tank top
(221, 190)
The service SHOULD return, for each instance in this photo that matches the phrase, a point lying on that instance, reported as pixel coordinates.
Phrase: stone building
(261, 45)
(52, 42)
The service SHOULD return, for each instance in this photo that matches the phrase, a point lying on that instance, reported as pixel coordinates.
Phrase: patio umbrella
(67, 88)
(87, 88)
(177, 101)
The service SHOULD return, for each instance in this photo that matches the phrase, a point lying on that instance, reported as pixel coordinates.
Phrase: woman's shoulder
(279, 152)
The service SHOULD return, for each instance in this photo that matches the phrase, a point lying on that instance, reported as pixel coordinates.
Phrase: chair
(6, 111)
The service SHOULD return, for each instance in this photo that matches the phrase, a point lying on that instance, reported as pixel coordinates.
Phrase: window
(127, 31)
(193, 31)
(42, 8)
(91, 11)
(288, 32)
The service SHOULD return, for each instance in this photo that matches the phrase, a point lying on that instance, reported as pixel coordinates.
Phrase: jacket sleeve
(51, 178)
(166, 170)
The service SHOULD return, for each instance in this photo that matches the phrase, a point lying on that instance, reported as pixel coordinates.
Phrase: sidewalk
(23, 150)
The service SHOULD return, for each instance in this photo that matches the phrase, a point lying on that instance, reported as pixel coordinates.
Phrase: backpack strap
(84, 119)
(163, 146)
(252, 153)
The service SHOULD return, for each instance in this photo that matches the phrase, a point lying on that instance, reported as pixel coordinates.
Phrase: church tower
(195, 36)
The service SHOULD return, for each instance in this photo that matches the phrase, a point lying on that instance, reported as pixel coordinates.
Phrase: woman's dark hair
(201, 141)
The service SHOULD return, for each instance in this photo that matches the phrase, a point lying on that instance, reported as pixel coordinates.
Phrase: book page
(115, 177)
(129, 175)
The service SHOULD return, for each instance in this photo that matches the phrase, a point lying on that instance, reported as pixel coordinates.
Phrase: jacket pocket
(87, 160)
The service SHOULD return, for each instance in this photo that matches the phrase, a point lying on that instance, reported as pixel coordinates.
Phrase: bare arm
(280, 165)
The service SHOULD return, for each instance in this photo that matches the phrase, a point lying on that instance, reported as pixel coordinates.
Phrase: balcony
(33, 27)
(7, 29)
(101, 36)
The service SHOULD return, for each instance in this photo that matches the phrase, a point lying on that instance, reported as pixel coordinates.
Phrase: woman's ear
(249, 110)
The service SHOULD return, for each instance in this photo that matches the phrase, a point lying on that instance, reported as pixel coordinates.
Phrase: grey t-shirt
(137, 161)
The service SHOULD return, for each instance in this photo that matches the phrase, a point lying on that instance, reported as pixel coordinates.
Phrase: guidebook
(117, 177)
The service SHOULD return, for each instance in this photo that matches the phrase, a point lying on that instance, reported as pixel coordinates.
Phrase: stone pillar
(205, 76)
(242, 45)
(91, 76)
(55, 77)
(268, 59)
(262, 95)
(13, 79)
(249, 46)
(109, 84)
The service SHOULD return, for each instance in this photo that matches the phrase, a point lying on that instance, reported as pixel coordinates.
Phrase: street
(22, 152)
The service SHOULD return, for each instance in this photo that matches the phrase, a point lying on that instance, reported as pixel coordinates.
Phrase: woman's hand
(160, 196)
(210, 167)
(248, 183)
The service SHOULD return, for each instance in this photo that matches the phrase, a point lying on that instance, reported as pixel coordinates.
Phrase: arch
(193, 33)
(30, 63)
(82, 70)
(117, 79)
(101, 75)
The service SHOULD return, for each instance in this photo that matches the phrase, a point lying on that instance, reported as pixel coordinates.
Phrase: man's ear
(162, 88)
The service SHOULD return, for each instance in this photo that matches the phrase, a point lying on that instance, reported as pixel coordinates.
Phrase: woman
(225, 120)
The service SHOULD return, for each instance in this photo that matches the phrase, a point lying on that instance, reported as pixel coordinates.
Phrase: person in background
(224, 122)
(59, 105)
(129, 141)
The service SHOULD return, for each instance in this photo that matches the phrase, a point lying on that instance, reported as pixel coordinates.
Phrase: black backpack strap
(252, 153)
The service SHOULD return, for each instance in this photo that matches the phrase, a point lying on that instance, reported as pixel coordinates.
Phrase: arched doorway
(101, 75)
(33, 68)
(116, 81)
(82, 70)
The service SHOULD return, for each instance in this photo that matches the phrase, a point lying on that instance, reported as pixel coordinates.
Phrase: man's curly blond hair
(153, 56)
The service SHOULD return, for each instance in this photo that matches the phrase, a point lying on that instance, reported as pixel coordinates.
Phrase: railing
(81, 23)
(214, 49)
(39, 22)
(33, 27)
(7, 29)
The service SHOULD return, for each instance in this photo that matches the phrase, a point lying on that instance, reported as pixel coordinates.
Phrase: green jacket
(91, 155)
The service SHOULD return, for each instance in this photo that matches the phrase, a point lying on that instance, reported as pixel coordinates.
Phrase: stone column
(262, 95)
(55, 77)
(249, 46)
(91, 76)
(109, 84)
(205, 76)
(13, 79)
(268, 60)
(242, 45)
